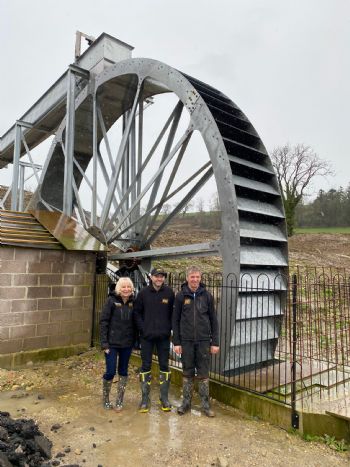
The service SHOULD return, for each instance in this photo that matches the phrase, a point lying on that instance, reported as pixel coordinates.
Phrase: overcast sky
(286, 63)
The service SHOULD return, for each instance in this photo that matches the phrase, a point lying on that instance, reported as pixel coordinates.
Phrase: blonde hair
(124, 281)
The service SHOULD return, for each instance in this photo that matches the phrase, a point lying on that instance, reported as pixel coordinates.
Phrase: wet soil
(319, 250)
(64, 398)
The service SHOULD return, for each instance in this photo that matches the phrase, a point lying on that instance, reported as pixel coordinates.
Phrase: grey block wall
(46, 298)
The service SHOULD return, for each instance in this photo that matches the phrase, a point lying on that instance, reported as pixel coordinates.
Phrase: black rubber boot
(187, 389)
(203, 390)
(145, 379)
(106, 389)
(164, 383)
(120, 392)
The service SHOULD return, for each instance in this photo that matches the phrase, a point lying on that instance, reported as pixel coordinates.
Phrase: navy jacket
(117, 323)
(153, 311)
(194, 317)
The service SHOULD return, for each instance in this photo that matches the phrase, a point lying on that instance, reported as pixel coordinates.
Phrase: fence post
(295, 415)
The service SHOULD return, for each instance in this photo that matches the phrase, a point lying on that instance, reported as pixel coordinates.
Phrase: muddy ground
(305, 250)
(320, 250)
(64, 397)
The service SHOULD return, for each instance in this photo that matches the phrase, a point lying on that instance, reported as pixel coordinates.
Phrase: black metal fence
(287, 338)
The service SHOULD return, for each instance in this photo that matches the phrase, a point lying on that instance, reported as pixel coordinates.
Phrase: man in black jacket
(195, 337)
(153, 312)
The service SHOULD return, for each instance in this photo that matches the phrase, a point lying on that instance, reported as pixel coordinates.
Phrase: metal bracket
(24, 124)
(77, 70)
(295, 420)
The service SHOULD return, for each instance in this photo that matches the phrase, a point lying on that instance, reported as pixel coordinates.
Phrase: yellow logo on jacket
(118, 304)
(165, 301)
(187, 301)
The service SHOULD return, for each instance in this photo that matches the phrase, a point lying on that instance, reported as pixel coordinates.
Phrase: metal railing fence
(287, 338)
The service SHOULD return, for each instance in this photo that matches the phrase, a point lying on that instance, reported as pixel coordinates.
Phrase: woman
(117, 335)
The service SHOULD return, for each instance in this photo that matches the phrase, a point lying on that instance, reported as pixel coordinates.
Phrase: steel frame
(253, 235)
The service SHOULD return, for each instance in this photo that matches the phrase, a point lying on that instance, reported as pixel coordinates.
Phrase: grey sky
(285, 63)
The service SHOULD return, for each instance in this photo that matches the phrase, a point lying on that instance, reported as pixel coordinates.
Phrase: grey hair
(124, 281)
(192, 269)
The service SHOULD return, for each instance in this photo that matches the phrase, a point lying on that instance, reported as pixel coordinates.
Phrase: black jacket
(117, 323)
(194, 317)
(153, 311)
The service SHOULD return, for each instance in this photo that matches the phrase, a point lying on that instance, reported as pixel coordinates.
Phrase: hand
(214, 349)
(106, 351)
(178, 349)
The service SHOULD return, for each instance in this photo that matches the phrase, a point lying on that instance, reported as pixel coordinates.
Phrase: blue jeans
(111, 362)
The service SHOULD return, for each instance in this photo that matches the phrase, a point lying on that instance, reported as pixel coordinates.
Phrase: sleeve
(213, 321)
(104, 323)
(176, 318)
(136, 343)
(138, 312)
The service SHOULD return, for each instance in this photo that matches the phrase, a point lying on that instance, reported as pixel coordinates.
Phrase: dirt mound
(22, 444)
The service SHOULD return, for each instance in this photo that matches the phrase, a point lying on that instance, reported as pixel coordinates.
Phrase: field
(329, 230)
(328, 248)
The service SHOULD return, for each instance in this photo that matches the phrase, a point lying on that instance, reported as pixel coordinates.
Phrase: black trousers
(195, 358)
(162, 345)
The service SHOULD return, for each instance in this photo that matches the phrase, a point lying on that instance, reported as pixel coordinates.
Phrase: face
(157, 281)
(125, 290)
(193, 280)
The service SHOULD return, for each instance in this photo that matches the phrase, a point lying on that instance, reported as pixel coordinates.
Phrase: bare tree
(200, 205)
(215, 211)
(166, 208)
(295, 167)
(201, 218)
(186, 208)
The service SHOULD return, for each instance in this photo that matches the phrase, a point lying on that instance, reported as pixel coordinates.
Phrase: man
(195, 337)
(153, 312)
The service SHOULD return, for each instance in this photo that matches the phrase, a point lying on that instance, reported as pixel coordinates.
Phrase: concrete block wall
(46, 299)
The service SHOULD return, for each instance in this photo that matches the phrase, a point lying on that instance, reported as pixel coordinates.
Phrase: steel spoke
(79, 206)
(150, 183)
(139, 174)
(119, 159)
(108, 148)
(168, 186)
(183, 203)
(168, 145)
(196, 249)
(30, 158)
(87, 181)
(160, 204)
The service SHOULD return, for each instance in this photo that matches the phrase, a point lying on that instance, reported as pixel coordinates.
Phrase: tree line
(329, 209)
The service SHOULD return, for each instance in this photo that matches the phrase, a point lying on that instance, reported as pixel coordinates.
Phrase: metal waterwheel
(142, 171)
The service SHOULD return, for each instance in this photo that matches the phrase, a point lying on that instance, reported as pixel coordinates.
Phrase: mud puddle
(64, 398)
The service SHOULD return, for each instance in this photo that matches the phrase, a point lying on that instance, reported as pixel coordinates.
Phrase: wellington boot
(203, 390)
(106, 389)
(120, 393)
(145, 380)
(187, 389)
(164, 383)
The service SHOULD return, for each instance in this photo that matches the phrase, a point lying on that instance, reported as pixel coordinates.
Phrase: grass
(317, 230)
(330, 441)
